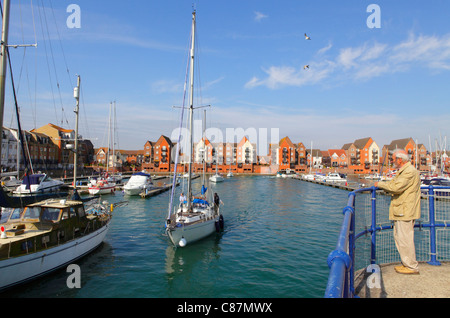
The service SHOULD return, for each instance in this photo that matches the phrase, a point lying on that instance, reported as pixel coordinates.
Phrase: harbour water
(278, 234)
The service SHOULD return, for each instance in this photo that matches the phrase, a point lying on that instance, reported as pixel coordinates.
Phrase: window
(31, 213)
(50, 214)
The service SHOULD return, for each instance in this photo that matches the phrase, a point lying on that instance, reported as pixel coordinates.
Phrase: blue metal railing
(341, 261)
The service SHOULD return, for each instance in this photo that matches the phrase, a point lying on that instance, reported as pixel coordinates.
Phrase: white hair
(400, 153)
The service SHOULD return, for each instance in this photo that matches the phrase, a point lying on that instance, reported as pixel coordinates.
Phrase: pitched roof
(287, 140)
(399, 143)
(361, 143)
(347, 146)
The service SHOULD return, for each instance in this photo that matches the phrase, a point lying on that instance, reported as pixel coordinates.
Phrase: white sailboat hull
(216, 178)
(20, 269)
(194, 232)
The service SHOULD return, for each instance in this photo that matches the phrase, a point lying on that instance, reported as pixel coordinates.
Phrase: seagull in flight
(305, 67)
(307, 37)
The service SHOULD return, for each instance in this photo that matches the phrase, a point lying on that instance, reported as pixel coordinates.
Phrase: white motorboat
(289, 174)
(196, 218)
(374, 176)
(308, 176)
(139, 182)
(37, 184)
(334, 177)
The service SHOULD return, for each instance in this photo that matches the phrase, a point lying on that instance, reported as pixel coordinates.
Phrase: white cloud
(366, 61)
(259, 16)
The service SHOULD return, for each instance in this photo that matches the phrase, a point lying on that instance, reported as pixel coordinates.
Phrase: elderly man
(404, 209)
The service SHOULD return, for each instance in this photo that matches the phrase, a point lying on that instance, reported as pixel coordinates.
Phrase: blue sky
(386, 83)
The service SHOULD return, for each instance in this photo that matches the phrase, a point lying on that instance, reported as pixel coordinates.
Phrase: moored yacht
(139, 182)
(47, 235)
(37, 184)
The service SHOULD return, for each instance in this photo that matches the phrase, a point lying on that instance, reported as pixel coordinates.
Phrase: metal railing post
(373, 249)
(431, 198)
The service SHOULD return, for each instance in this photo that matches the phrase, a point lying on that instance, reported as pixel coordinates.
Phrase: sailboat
(310, 176)
(230, 173)
(196, 217)
(104, 184)
(217, 177)
(41, 237)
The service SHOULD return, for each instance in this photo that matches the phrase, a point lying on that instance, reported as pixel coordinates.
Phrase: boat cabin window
(81, 212)
(68, 213)
(31, 213)
(50, 214)
(10, 214)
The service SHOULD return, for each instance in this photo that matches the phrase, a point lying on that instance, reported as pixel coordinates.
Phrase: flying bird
(305, 67)
(307, 37)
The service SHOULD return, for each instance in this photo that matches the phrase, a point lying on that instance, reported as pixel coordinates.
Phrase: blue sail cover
(204, 189)
(200, 201)
(28, 180)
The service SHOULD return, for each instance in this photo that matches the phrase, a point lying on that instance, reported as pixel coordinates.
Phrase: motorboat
(334, 177)
(37, 184)
(139, 182)
(48, 235)
(289, 174)
(309, 176)
(98, 185)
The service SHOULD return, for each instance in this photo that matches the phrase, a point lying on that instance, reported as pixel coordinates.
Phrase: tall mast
(76, 94)
(191, 111)
(3, 57)
(109, 136)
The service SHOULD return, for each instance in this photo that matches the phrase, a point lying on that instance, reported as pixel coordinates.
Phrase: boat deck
(432, 282)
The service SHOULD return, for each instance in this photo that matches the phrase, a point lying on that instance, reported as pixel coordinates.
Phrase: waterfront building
(149, 155)
(363, 155)
(246, 152)
(406, 144)
(338, 158)
(60, 137)
(317, 158)
(286, 154)
(163, 153)
(204, 151)
(301, 154)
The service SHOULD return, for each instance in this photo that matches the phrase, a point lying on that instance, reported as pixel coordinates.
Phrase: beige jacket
(405, 190)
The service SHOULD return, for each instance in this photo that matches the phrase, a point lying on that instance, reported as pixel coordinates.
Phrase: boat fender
(3, 234)
(221, 222)
(112, 207)
(182, 242)
(217, 226)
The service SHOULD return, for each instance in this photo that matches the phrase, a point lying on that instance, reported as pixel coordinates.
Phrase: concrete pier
(432, 282)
